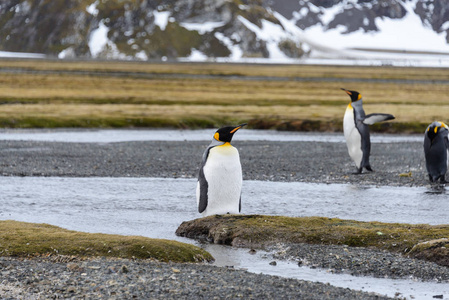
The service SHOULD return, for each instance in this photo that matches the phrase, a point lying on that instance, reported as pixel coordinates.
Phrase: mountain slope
(230, 29)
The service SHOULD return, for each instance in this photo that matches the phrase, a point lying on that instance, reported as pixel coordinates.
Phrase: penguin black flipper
(376, 118)
(204, 186)
(365, 145)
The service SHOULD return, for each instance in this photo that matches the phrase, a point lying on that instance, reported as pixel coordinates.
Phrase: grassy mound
(258, 231)
(29, 239)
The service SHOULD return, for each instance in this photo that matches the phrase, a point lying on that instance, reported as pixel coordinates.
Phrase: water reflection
(155, 207)
(436, 189)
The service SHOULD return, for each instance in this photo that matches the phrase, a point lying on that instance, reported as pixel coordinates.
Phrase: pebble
(154, 280)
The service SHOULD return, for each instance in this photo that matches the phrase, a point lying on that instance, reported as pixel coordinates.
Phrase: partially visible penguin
(220, 178)
(356, 130)
(436, 147)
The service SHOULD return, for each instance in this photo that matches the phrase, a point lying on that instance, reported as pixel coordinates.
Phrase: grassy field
(38, 93)
(20, 239)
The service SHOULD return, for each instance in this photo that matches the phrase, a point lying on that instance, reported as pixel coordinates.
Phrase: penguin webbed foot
(441, 180)
(358, 172)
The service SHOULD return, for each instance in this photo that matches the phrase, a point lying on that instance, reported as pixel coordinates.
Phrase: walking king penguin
(436, 147)
(220, 178)
(356, 130)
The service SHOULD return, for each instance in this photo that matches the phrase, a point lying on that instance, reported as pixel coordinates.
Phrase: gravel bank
(362, 262)
(288, 161)
(140, 279)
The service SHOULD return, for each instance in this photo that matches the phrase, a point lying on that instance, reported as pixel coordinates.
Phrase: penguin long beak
(238, 127)
(347, 92)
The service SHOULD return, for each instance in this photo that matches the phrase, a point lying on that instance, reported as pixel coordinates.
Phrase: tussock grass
(102, 100)
(29, 239)
(259, 231)
(313, 71)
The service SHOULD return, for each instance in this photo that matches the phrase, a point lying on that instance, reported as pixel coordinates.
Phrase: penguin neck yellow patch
(349, 106)
(227, 144)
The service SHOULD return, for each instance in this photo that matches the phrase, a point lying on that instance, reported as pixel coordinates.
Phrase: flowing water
(155, 207)
(111, 135)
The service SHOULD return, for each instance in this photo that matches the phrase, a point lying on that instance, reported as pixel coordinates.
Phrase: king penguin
(220, 177)
(436, 147)
(356, 130)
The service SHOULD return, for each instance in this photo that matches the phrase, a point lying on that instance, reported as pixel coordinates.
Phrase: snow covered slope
(393, 32)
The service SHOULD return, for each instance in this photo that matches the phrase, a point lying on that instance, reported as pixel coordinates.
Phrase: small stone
(124, 269)
(273, 263)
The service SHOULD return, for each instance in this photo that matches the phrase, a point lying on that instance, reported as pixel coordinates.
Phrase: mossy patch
(259, 231)
(29, 239)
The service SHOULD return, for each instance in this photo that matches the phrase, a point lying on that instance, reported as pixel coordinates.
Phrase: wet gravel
(393, 164)
(361, 262)
(396, 164)
(141, 279)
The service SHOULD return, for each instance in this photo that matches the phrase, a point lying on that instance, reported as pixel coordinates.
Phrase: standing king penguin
(220, 180)
(356, 130)
(436, 147)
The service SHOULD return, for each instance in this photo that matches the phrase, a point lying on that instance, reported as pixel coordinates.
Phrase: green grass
(123, 94)
(259, 231)
(19, 239)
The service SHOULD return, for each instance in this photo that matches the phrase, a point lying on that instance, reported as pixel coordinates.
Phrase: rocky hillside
(155, 29)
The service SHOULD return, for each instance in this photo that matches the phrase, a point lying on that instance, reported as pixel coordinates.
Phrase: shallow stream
(155, 207)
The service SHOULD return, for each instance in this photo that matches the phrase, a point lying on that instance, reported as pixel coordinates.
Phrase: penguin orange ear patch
(217, 136)
(359, 97)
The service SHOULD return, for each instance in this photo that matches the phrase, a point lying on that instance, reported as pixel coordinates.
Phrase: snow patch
(197, 56)
(271, 33)
(141, 55)
(8, 54)
(161, 19)
(202, 27)
(98, 39)
(398, 36)
(236, 51)
(92, 9)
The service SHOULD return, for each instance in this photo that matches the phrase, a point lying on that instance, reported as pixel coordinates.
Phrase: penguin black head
(355, 96)
(435, 128)
(225, 134)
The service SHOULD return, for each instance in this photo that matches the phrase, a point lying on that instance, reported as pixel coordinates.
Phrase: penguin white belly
(352, 136)
(223, 173)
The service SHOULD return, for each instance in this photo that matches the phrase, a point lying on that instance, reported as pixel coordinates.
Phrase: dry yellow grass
(130, 99)
(234, 69)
